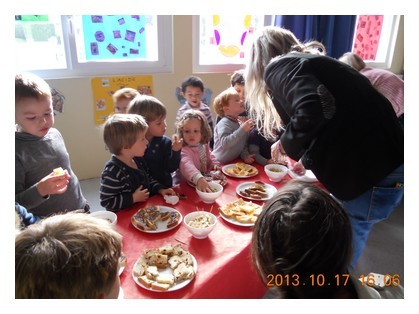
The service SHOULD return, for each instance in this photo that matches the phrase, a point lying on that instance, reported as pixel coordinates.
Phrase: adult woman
(335, 123)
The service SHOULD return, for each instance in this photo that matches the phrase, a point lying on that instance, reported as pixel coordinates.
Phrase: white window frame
(99, 68)
(213, 68)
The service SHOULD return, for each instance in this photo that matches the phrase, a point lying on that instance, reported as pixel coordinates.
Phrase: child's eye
(31, 118)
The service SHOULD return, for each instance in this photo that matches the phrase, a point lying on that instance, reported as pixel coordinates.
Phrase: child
(162, 154)
(261, 147)
(196, 157)
(230, 136)
(39, 149)
(303, 235)
(125, 180)
(192, 91)
(237, 82)
(122, 97)
(69, 256)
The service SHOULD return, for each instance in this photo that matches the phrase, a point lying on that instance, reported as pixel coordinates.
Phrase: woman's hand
(53, 184)
(298, 168)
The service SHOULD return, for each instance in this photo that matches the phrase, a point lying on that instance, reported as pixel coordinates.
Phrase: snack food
(241, 211)
(201, 221)
(148, 270)
(58, 171)
(146, 218)
(255, 191)
(240, 169)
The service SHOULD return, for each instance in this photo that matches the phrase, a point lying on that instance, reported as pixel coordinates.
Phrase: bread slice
(159, 260)
(145, 281)
(160, 286)
(173, 219)
(166, 249)
(174, 261)
(183, 272)
(166, 278)
(139, 269)
(151, 272)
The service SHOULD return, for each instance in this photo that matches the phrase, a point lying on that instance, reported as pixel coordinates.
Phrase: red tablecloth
(225, 269)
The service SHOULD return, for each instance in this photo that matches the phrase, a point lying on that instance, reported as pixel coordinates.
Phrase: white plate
(270, 190)
(307, 177)
(231, 166)
(168, 270)
(237, 223)
(162, 225)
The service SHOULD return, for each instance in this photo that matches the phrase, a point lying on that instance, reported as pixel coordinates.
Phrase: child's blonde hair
(121, 131)
(148, 106)
(69, 256)
(124, 93)
(222, 100)
(198, 115)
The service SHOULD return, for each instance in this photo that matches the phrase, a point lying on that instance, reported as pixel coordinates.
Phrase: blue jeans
(373, 206)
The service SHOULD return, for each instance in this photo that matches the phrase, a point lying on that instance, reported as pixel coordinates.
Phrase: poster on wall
(104, 87)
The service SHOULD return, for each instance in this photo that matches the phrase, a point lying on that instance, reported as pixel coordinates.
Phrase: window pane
(225, 39)
(39, 42)
(116, 37)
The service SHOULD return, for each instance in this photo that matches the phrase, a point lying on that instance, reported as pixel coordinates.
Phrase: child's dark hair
(195, 114)
(193, 81)
(303, 231)
(28, 85)
(237, 78)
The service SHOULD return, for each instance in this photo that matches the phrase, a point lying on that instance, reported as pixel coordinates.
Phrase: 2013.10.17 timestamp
(312, 280)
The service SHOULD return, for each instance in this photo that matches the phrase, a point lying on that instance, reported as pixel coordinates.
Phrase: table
(225, 269)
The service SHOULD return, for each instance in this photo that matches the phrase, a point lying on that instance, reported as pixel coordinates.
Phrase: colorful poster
(108, 37)
(104, 87)
(367, 36)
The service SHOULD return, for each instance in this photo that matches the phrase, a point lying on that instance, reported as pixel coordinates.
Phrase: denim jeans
(373, 206)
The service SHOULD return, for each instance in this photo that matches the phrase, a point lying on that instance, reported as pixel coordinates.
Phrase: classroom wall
(83, 137)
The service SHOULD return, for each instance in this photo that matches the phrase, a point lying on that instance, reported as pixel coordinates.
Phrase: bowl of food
(276, 172)
(210, 197)
(200, 223)
(105, 214)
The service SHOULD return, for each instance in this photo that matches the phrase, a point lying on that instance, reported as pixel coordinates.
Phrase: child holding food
(125, 179)
(162, 154)
(230, 134)
(39, 149)
(196, 158)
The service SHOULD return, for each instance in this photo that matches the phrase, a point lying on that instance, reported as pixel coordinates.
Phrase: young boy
(125, 179)
(39, 150)
(70, 256)
(192, 91)
(162, 154)
(230, 134)
(122, 97)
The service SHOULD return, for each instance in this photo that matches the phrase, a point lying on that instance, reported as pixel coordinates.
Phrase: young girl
(230, 135)
(162, 154)
(125, 179)
(196, 157)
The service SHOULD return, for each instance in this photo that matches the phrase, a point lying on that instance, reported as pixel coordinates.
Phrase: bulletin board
(104, 87)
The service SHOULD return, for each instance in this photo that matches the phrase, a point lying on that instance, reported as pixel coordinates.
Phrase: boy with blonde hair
(122, 97)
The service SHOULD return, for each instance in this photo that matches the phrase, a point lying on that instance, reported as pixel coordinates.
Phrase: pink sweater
(388, 84)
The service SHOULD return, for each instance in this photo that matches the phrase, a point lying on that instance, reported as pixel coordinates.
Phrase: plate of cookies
(239, 170)
(241, 212)
(156, 219)
(166, 268)
(256, 191)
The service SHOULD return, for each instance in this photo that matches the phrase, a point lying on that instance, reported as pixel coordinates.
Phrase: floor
(383, 254)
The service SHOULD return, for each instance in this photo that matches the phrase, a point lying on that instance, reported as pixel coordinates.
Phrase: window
(91, 45)
(221, 41)
(375, 38)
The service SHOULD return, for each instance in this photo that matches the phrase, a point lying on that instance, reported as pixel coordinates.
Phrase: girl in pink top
(196, 157)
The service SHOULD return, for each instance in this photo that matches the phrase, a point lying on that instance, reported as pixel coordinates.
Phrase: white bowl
(210, 197)
(200, 232)
(276, 172)
(105, 214)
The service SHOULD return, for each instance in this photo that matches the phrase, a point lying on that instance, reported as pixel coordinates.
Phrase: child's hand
(247, 125)
(176, 143)
(249, 159)
(140, 195)
(53, 184)
(298, 168)
(203, 185)
(168, 191)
